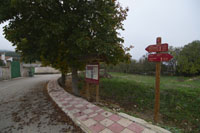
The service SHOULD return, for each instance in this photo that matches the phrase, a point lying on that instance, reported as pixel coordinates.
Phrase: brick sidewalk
(90, 117)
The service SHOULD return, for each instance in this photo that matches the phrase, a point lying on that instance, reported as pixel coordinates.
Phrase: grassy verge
(180, 98)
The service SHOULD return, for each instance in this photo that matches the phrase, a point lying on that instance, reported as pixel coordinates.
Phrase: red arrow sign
(159, 57)
(157, 48)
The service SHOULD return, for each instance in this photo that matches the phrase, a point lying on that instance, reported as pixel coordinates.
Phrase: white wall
(46, 70)
(5, 73)
(25, 72)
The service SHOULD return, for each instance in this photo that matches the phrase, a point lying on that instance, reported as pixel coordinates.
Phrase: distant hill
(10, 53)
(2, 50)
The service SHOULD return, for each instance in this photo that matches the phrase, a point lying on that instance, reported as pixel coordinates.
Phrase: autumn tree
(65, 33)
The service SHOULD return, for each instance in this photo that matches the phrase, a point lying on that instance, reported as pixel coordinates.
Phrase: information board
(92, 73)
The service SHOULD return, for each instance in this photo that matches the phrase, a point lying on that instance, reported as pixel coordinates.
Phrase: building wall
(5, 73)
(25, 72)
(45, 70)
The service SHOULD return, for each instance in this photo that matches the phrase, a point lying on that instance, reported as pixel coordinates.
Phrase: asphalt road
(26, 108)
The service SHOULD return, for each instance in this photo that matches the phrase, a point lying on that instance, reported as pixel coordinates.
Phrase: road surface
(26, 108)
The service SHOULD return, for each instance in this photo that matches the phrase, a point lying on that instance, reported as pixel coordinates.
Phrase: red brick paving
(116, 128)
(96, 128)
(136, 128)
(90, 115)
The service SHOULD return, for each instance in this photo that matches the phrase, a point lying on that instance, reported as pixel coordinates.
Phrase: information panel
(92, 73)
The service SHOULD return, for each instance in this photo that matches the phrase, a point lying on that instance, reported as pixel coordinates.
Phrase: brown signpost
(158, 58)
(157, 48)
(157, 94)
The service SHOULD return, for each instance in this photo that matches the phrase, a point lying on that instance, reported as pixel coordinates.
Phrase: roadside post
(158, 57)
(92, 77)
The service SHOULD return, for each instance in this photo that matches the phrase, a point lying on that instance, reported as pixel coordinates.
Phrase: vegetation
(185, 62)
(66, 33)
(180, 97)
(143, 66)
(2, 63)
(172, 64)
(189, 59)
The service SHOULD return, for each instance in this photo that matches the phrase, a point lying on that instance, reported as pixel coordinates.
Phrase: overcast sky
(176, 21)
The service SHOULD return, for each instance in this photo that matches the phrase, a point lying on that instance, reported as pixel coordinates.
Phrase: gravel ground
(26, 108)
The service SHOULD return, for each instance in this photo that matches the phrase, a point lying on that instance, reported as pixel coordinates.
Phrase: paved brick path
(90, 117)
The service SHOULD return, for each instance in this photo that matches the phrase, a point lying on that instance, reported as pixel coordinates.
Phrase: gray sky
(4, 44)
(176, 21)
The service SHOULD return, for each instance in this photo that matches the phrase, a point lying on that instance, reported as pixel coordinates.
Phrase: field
(179, 105)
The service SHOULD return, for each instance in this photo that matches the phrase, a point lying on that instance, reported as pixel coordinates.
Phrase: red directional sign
(159, 57)
(157, 48)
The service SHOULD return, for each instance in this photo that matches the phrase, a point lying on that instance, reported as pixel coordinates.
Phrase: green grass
(179, 103)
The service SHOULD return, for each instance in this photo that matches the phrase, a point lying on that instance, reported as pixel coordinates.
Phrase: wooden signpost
(157, 48)
(158, 58)
(92, 77)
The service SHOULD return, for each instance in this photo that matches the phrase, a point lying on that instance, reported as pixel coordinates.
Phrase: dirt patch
(194, 79)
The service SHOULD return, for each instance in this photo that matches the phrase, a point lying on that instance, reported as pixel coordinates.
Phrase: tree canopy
(85, 29)
(189, 59)
(65, 33)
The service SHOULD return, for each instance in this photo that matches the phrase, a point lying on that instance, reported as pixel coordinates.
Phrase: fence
(14, 70)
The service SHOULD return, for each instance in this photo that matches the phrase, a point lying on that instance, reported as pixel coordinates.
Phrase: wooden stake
(97, 93)
(88, 91)
(157, 88)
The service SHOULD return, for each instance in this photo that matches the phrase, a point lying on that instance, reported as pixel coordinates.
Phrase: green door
(15, 69)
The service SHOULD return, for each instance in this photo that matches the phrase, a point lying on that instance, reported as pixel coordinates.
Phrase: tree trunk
(75, 81)
(63, 78)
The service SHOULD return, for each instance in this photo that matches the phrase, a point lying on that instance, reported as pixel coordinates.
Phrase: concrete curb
(144, 123)
(13, 79)
(70, 115)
